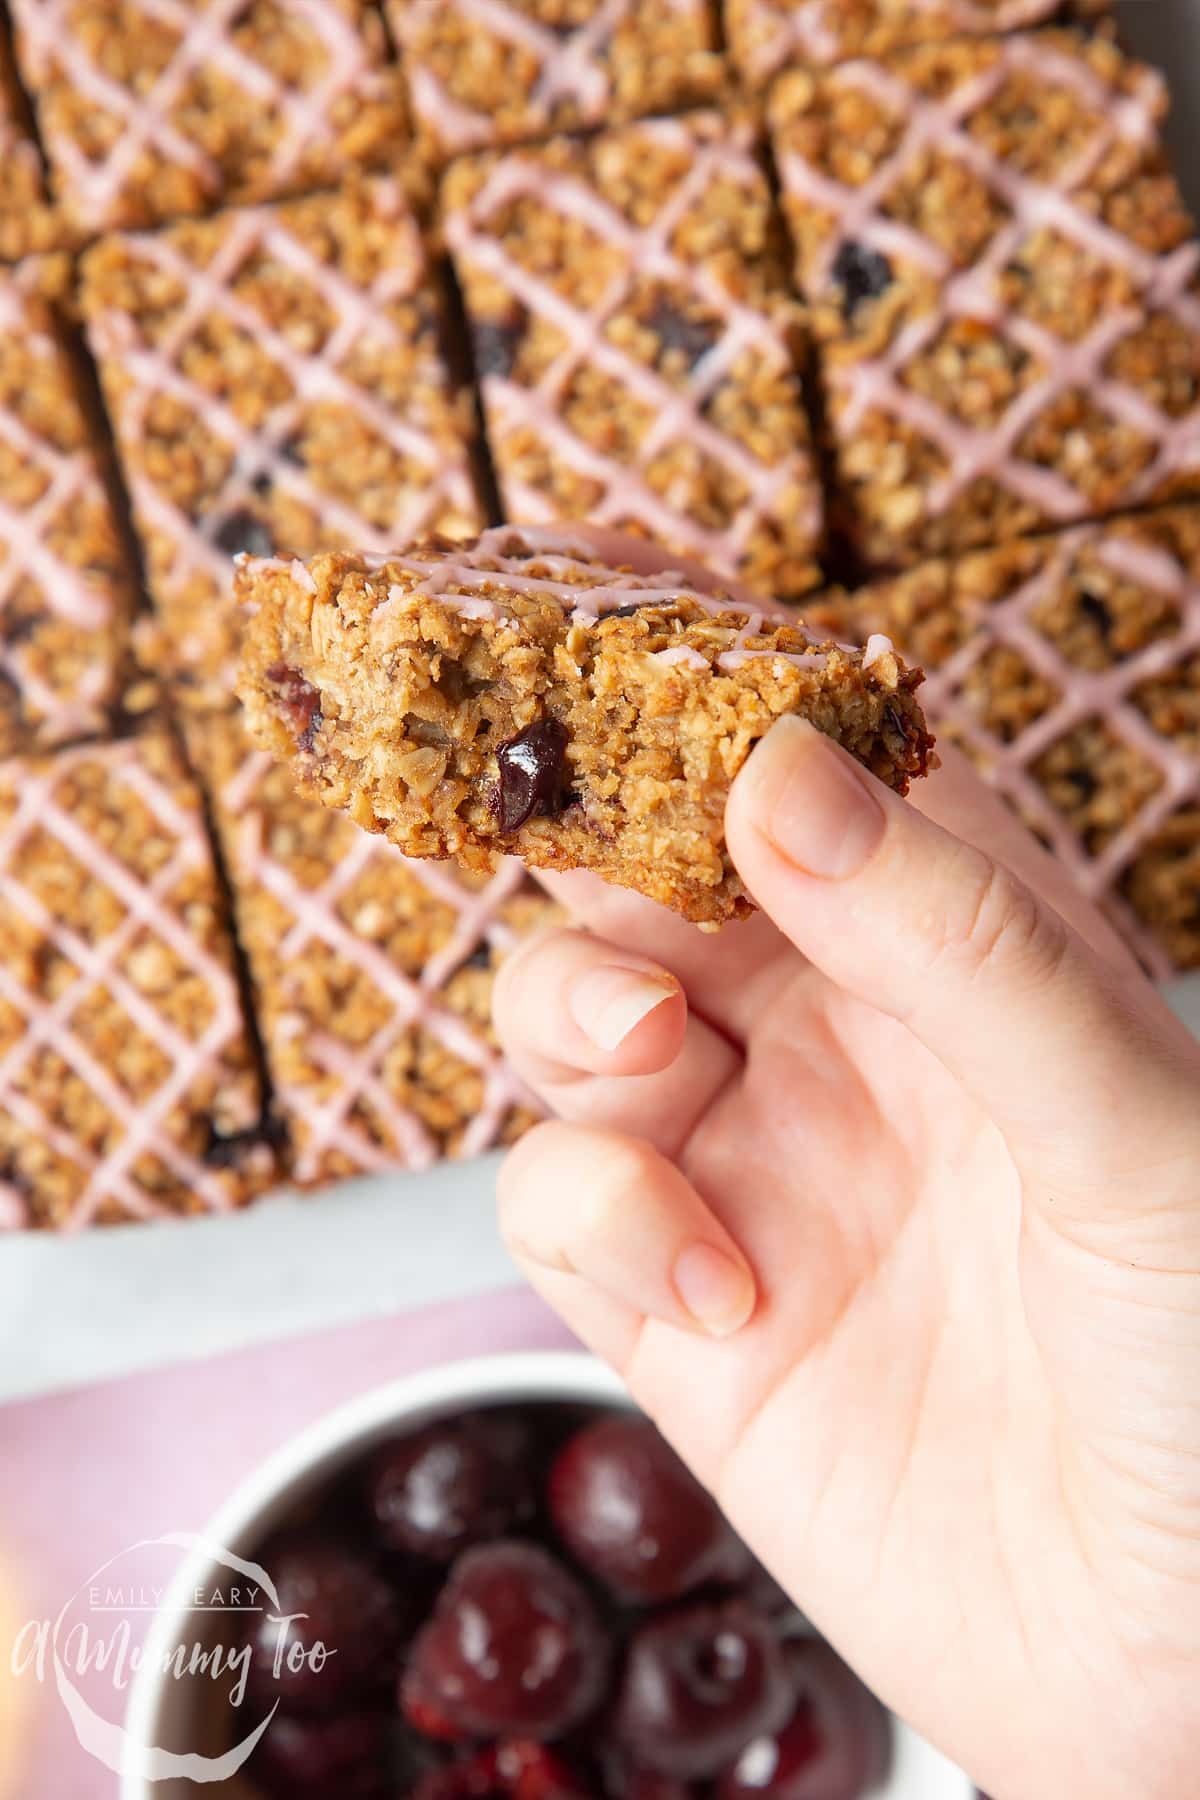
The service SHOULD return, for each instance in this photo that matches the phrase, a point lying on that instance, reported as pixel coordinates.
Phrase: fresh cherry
(336, 1632)
(700, 1684)
(346, 1755)
(647, 1784)
(514, 1647)
(634, 1515)
(836, 1746)
(509, 1771)
(454, 1484)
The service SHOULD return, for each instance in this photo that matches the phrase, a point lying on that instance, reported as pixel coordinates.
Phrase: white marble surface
(113, 1302)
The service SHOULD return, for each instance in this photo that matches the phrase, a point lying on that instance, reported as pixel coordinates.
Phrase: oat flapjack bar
(28, 223)
(1002, 278)
(520, 695)
(764, 35)
(372, 974)
(127, 1085)
(1068, 668)
(487, 72)
(636, 345)
(65, 594)
(275, 379)
(150, 109)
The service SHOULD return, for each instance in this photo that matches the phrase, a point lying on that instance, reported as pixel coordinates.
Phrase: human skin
(887, 1207)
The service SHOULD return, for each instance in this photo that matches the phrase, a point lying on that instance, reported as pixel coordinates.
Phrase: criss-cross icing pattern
(1160, 286)
(766, 34)
(187, 1071)
(145, 117)
(782, 496)
(549, 565)
(427, 485)
(52, 507)
(342, 1108)
(567, 71)
(1107, 697)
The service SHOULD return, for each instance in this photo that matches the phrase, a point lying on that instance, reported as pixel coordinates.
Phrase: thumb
(1060, 1051)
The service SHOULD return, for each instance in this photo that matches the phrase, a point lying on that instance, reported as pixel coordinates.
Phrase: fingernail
(716, 1289)
(607, 1003)
(817, 810)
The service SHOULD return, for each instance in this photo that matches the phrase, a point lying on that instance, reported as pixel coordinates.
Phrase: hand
(887, 1207)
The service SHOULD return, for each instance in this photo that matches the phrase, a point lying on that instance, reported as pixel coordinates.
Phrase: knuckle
(618, 1174)
(993, 920)
(519, 1175)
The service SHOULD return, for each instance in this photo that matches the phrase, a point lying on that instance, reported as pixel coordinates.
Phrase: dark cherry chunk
(229, 1149)
(300, 700)
(682, 331)
(531, 774)
(1098, 611)
(862, 274)
(497, 342)
(242, 531)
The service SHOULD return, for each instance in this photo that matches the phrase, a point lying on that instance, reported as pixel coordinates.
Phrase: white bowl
(163, 1711)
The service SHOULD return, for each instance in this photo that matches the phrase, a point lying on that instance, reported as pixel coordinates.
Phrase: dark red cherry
(508, 1771)
(836, 1745)
(648, 1784)
(313, 1759)
(336, 1632)
(299, 699)
(699, 1684)
(454, 1484)
(634, 1515)
(514, 1647)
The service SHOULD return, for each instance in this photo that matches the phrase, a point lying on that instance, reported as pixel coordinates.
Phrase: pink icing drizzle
(72, 486)
(1161, 284)
(572, 69)
(679, 415)
(584, 587)
(1083, 696)
(143, 1126)
(148, 118)
(152, 370)
(771, 33)
(324, 1124)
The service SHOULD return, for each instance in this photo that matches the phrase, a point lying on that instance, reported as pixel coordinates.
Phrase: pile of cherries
(541, 1603)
